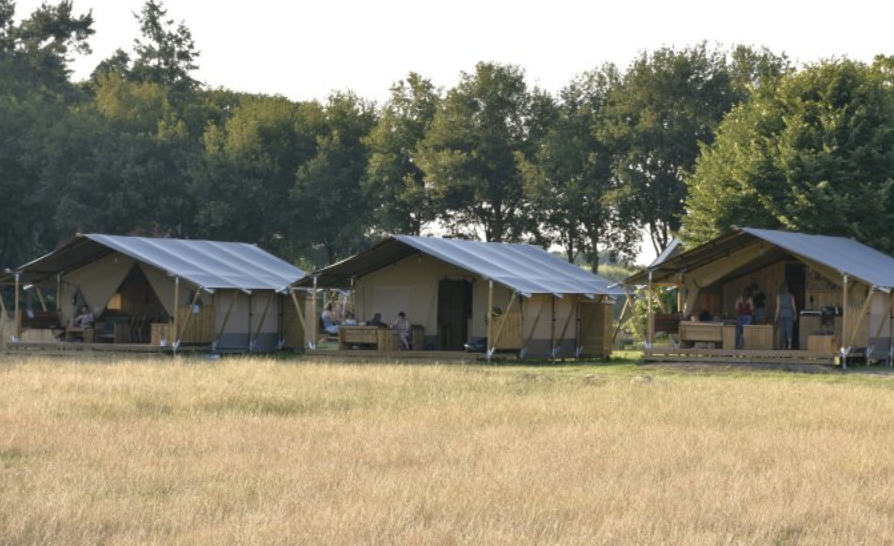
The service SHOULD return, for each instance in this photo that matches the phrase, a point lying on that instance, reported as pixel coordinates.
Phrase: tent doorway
(454, 312)
(795, 279)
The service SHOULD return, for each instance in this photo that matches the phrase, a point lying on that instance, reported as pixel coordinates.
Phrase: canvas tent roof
(838, 254)
(525, 268)
(209, 264)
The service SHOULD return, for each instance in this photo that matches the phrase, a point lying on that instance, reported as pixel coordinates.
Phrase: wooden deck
(72, 347)
(442, 356)
(724, 356)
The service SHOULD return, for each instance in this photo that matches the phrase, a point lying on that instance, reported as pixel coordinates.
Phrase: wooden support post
(881, 324)
(552, 328)
(493, 345)
(2, 307)
(251, 312)
(313, 320)
(185, 324)
(490, 317)
(59, 295)
(300, 313)
(651, 325)
(18, 316)
(891, 331)
(353, 303)
(866, 305)
(536, 322)
(680, 293)
(261, 322)
(226, 319)
(567, 322)
(844, 313)
(621, 319)
(176, 311)
(43, 303)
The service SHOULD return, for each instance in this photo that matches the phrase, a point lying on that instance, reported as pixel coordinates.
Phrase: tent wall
(97, 281)
(411, 285)
(248, 311)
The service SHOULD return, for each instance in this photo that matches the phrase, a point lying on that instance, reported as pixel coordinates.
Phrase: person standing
(745, 314)
(786, 312)
(759, 299)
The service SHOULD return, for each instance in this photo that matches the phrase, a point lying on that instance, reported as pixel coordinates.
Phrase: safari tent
(842, 289)
(540, 305)
(151, 292)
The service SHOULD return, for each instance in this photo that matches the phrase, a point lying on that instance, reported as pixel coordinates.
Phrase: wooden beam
(18, 316)
(502, 323)
(568, 321)
(552, 327)
(313, 320)
(844, 350)
(225, 320)
(3, 307)
(183, 326)
(43, 303)
(536, 322)
(261, 322)
(651, 318)
(176, 310)
(59, 295)
(490, 316)
(866, 305)
(881, 324)
(621, 318)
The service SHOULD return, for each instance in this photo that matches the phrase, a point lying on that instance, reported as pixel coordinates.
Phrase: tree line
(682, 142)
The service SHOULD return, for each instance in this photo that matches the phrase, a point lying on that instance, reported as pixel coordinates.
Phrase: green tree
(669, 102)
(166, 54)
(329, 216)
(243, 181)
(814, 153)
(471, 155)
(570, 181)
(395, 185)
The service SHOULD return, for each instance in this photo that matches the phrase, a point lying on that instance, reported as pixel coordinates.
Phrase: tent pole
(176, 311)
(313, 320)
(844, 313)
(59, 295)
(651, 318)
(490, 318)
(17, 320)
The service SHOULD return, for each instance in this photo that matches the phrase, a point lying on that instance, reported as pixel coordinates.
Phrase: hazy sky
(305, 49)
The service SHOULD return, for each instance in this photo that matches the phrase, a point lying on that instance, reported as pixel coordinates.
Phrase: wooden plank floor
(449, 356)
(61, 346)
(670, 354)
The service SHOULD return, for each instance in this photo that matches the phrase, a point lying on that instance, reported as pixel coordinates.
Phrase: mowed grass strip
(263, 451)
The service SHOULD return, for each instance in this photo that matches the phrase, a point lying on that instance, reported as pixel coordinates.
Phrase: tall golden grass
(261, 451)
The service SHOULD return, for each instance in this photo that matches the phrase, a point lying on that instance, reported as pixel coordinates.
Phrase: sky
(305, 49)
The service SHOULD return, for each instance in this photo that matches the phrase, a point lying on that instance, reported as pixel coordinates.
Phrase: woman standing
(745, 313)
(786, 311)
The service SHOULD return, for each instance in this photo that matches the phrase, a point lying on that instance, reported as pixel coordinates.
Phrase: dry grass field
(263, 451)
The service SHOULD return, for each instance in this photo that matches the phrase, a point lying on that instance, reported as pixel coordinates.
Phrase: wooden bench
(706, 332)
(374, 337)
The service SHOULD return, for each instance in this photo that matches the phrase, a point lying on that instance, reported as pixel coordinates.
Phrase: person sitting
(84, 320)
(330, 323)
(376, 321)
(350, 320)
(402, 326)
